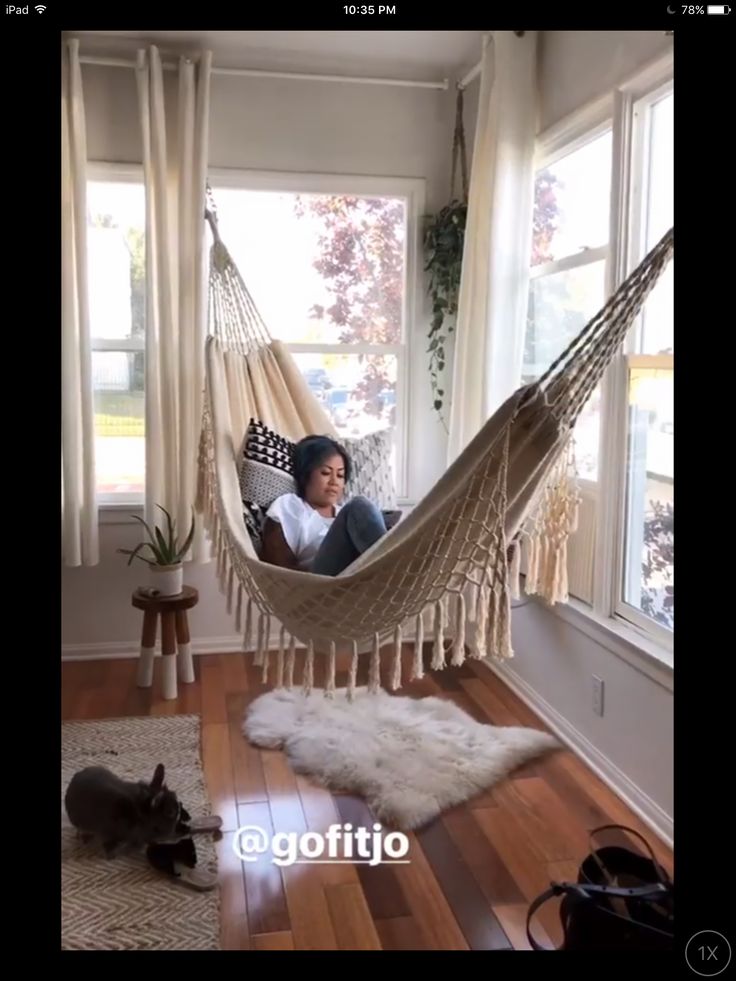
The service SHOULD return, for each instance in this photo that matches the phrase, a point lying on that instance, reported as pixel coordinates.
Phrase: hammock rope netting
(455, 558)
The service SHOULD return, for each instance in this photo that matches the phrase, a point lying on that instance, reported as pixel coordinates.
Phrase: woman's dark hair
(310, 453)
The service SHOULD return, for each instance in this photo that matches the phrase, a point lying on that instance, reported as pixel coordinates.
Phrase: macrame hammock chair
(454, 559)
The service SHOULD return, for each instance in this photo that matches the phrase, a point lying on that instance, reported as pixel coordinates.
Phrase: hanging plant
(444, 239)
(443, 244)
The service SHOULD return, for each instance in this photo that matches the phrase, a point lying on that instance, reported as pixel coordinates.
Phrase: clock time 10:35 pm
(369, 9)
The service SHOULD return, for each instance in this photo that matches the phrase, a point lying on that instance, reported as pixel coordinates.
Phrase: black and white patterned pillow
(372, 476)
(266, 472)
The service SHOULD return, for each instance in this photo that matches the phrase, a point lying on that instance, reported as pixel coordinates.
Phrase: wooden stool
(174, 633)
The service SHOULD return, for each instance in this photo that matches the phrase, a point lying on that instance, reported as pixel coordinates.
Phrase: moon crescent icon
(670, 11)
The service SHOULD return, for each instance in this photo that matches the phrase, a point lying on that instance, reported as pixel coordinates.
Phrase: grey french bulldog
(123, 813)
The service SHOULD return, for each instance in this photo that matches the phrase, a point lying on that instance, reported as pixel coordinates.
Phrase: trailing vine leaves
(443, 244)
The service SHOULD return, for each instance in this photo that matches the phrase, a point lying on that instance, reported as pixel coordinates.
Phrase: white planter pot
(167, 580)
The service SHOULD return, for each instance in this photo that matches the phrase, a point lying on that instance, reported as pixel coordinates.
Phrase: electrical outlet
(598, 695)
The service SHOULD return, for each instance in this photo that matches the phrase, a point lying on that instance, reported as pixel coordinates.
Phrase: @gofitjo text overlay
(340, 843)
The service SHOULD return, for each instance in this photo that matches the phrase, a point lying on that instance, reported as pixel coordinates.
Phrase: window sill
(118, 514)
(621, 638)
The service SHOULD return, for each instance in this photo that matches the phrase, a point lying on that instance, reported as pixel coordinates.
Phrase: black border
(703, 274)
(704, 55)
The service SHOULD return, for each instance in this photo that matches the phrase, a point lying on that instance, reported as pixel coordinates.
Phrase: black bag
(621, 901)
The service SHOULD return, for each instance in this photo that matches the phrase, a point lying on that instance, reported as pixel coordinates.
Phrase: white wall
(263, 124)
(576, 67)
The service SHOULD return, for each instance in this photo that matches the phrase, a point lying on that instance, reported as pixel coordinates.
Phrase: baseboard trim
(231, 644)
(131, 649)
(633, 796)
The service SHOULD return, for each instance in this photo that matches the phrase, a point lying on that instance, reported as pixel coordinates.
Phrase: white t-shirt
(304, 528)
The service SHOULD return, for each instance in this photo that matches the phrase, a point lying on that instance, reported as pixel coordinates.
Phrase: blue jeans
(357, 526)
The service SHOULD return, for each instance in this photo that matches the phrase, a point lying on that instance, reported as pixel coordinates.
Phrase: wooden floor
(471, 874)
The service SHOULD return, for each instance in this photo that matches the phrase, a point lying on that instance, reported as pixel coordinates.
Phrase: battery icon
(720, 9)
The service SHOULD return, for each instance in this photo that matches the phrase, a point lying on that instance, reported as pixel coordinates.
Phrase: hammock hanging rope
(447, 562)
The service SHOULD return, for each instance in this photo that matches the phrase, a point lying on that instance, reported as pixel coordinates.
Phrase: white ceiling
(417, 55)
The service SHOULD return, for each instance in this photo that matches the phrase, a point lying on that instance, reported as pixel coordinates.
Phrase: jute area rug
(124, 903)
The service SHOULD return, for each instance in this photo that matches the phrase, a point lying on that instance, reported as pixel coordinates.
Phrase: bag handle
(662, 873)
(585, 891)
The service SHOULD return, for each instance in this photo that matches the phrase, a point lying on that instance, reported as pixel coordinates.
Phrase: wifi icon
(40, 8)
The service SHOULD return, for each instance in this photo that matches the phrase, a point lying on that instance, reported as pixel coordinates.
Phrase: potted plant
(444, 240)
(165, 556)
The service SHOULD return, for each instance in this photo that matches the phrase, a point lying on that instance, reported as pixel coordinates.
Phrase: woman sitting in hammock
(312, 530)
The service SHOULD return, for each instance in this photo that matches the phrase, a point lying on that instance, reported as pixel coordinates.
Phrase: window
(603, 199)
(116, 290)
(568, 273)
(327, 262)
(647, 588)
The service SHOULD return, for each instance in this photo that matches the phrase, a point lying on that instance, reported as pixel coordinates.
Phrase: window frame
(633, 104)
(412, 191)
(122, 173)
(624, 111)
(572, 134)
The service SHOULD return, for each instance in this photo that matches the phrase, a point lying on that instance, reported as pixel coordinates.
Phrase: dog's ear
(158, 779)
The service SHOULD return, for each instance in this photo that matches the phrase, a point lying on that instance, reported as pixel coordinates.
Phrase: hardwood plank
(283, 794)
(321, 813)
(564, 871)
(190, 697)
(449, 679)
(383, 894)
(484, 799)
(616, 810)
(521, 859)
(214, 708)
(496, 712)
(489, 871)
(160, 705)
(453, 692)
(234, 932)
(112, 689)
(234, 673)
(515, 705)
(512, 918)
(264, 886)
(97, 673)
(576, 798)
(400, 933)
(311, 924)
(351, 918)
(274, 941)
(553, 833)
(85, 705)
(470, 908)
(248, 779)
(218, 769)
(432, 913)
(72, 685)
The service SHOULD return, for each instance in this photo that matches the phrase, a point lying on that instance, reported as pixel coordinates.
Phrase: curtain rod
(263, 73)
(475, 70)
(467, 79)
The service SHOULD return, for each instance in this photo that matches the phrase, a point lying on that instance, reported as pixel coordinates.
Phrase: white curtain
(80, 544)
(494, 280)
(175, 134)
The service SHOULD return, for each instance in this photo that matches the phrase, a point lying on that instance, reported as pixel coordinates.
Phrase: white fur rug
(409, 758)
